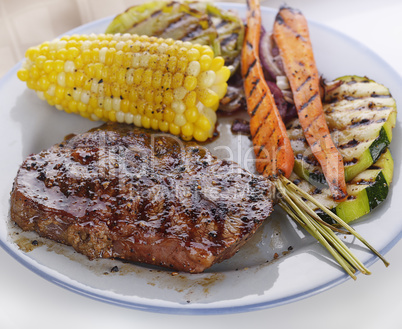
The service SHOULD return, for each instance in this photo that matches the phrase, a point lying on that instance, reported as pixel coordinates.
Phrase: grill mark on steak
(123, 192)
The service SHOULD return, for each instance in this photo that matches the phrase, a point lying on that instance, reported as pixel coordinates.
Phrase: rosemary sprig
(293, 202)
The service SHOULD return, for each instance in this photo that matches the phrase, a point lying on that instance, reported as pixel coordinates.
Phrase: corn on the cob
(162, 84)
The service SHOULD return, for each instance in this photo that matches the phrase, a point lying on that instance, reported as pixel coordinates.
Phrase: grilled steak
(124, 192)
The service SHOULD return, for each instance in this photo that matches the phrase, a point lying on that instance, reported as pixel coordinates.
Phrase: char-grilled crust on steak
(124, 192)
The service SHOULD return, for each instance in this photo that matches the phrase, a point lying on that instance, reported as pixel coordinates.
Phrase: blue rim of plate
(194, 309)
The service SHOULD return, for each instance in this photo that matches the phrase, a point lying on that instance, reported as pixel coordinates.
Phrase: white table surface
(28, 301)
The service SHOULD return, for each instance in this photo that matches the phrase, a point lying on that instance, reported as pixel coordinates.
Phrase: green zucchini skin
(361, 115)
(366, 191)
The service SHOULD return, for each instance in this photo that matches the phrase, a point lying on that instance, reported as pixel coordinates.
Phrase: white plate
(252, 279)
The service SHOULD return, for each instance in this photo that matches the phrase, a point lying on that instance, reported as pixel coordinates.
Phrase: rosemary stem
(290, 185)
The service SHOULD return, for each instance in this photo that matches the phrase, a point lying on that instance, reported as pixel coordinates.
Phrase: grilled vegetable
(153, 83)
(365, 191)
(194, 21)
(360, 114)
(229, 28)
(271, 144)
(275, 156)
(293, 41)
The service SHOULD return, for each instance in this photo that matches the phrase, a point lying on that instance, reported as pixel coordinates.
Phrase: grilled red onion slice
(269, 56)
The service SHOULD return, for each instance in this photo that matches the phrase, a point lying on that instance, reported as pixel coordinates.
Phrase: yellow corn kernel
(191, 114)
(145, 121)
(147, 78)
(163, 126)
(138, 73)
(222, 75)
(171, 64)
(200, 135)
(168, 115)
(206, 50)
(154, 83)
(205, 62)
(23, 74)
(154, 124)
(193, 54)
(190, 99)
(203, 123)
(190, 82)
(182, 65)
(174, 129)
(187, 129)
(112, 116)
(177, 80)
(217, 63)
(62, 54)
(98, 112)
(178, 106)
(168, 97)
(179, 120)
(34, 73)
(43, 83)
(48, 66)
(40, 60)
(207, 97)
(32, 53)
(124, 105)
(72, 53)
(206, 79)
(166, 80)
(157, 79)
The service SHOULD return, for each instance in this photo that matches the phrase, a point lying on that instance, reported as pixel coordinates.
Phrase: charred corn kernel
(162, 84)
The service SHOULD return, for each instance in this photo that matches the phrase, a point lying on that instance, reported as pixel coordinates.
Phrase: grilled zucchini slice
(360, 114)
(194, 21)
(366, 191)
